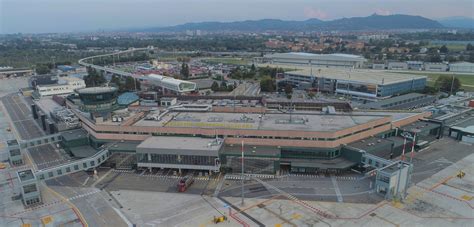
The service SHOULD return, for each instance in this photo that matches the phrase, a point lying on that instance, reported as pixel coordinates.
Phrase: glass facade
(370, 89)
(175, 159)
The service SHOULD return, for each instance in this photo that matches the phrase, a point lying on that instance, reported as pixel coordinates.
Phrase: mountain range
(457, 22)
(372, 22)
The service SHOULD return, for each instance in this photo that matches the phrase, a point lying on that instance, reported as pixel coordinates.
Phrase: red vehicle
(184, 183)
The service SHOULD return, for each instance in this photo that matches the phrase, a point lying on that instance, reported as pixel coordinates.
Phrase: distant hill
(248, 25)
(373, 22)
(457, 22)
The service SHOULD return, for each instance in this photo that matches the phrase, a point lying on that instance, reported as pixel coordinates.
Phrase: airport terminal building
(185, 137)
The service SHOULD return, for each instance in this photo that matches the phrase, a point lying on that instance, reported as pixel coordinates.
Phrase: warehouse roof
(462, 64)
(358, 75)
(301, 55)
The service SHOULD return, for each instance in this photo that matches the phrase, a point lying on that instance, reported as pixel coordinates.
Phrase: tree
(223, 85)
(252, 68)
(443, 49)
(115, 80)
(444, 83)
(42, 69)
(215, 86)
(288, 89)
(267, 84)
(471, 58)
(184, 70)
(435, 58)
(93, 78)
(469, 47)
(138, 85)
(130, 83)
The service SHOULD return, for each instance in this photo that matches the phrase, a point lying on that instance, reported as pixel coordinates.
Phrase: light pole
(452, 84)
(242, 174)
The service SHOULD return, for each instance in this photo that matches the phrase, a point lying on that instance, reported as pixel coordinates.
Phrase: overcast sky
(41, 16)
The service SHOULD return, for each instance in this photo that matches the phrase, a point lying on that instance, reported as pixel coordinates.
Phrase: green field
(451, 47)
(229, 61)
(467, 80)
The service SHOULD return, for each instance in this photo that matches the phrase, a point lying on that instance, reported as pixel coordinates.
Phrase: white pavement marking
(125, 219)
(219, 187)
(100, 179)
(336, 188)
(85, 181)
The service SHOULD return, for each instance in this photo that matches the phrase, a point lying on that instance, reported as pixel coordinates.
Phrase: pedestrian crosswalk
(247, 176)
(320, 176)
(267, 176)
(83, 195)
(161, 176)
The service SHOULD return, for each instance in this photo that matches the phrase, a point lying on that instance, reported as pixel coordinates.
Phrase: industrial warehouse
(361, 84)
(317, 60)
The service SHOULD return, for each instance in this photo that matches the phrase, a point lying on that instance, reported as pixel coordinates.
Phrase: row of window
(174, 159)
(287, 153)
(75, 168)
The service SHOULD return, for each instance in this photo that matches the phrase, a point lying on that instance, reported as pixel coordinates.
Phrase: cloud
(383, 12)
(309, 12)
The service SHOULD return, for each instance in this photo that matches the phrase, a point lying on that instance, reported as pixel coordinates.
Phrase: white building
(317, 60)
(436, 66)
(170, 84)
(394, 65)
(464, 67)
(65, 85)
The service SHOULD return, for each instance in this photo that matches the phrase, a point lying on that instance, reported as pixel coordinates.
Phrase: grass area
(453, 47)
(467, 80)
(229, 61)
(167, 58)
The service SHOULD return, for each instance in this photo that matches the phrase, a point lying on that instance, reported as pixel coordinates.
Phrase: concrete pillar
(33, 111)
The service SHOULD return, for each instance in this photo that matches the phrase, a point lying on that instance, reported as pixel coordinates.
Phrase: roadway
(106, 69)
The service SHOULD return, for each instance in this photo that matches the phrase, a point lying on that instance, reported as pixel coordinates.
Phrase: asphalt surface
(94, 204)
(437, 156)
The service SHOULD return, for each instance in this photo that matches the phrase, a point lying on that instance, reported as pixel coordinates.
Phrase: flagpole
(413, 148)
(404, 145)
